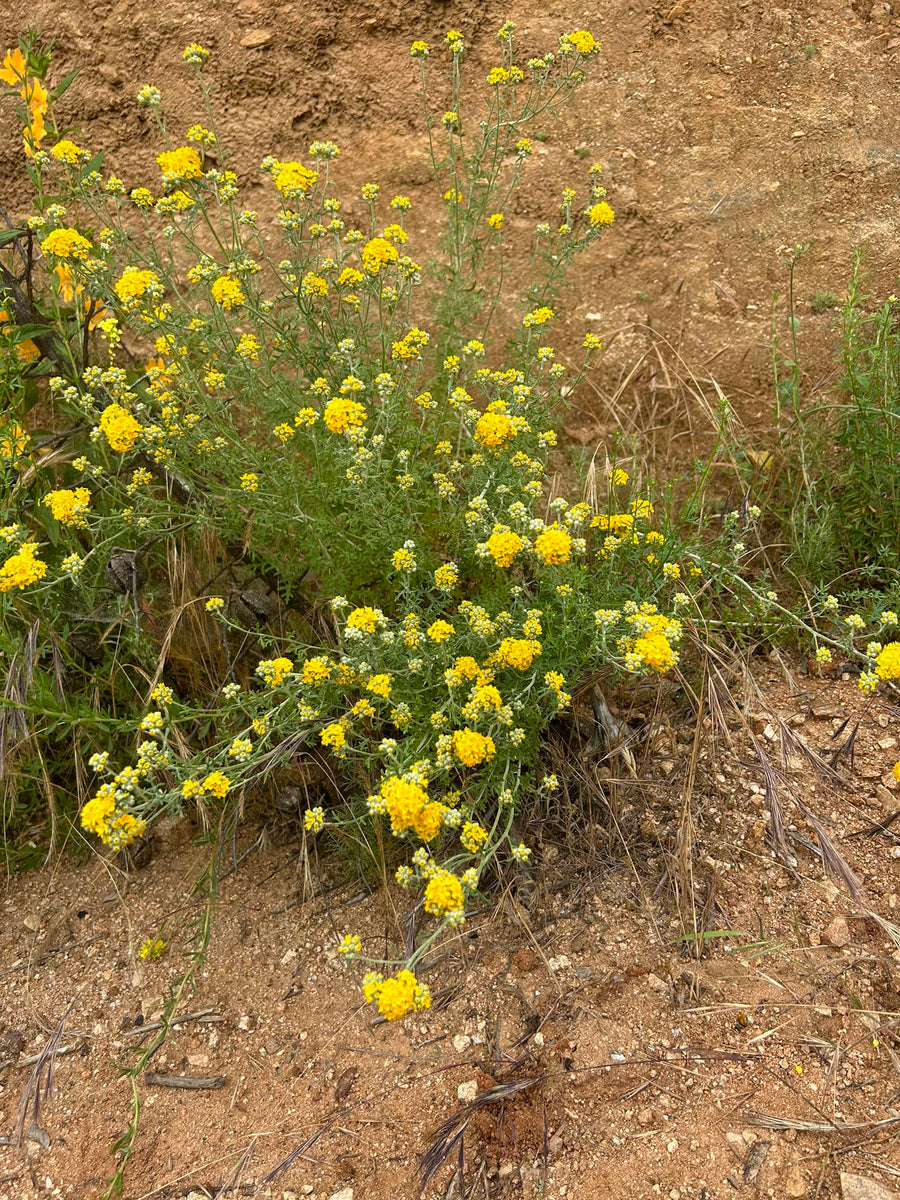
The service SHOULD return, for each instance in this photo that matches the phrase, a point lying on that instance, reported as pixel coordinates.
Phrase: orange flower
(25, 351)
(68, 292)
(13, 69)
(36, 94)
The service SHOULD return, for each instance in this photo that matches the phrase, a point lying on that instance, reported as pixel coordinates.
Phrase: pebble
(837, 933)
(254, 39)
(795, 1184)
(466, 1092)
(858, 1187)
(343, 1194)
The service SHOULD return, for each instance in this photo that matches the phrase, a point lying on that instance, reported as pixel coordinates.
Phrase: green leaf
(66, 83)
(10, 235)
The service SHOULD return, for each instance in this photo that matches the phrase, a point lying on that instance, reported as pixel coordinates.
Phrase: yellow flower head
(554, 545)
(443, 894)
(216, 784)
(583, 41)
(396, 997)
(439, 631)
(494, 428)
(342, 414)
(656, 652)
(66, 151)
(333, 735)
(363, 619)
(503, 547)
(446, 577)
(273, 671)
(22, 569)
(182, 163)
(294, 180)
(380, 685)
(227, 293)
(472, 748)
(377, 253)
(68, 506)
(517, 652)
(887, 664)
(601, 214)
(66, 243)
(404, 802)
(120, 428)
(134, 284)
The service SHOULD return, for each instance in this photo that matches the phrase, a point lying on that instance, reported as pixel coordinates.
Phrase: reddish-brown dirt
(729, 130)
(651, 1067)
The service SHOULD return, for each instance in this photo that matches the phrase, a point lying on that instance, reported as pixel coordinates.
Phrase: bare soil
(729, 130)
(654, 1053)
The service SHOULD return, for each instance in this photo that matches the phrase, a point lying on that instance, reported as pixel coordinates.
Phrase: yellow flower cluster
(443, 894)
(274, 671)
(377, 253)
(503, 546)
(495, 427)
(66, 243)
(22, 569)
(887, 664)
(113, 825)
(554, 545)
(227, 293)
(472, 748)
(134, 284)
(315, 670)
(397, 996)
(519, 653)
(120, 428)
(69, 506)
(181, 163)
(341, 413)
(294, 180)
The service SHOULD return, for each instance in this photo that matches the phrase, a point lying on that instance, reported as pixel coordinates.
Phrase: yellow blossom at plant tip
(472, 748)
(66, 243)
(443, 894)
(887, 664)
(554, 546)
(152, 948)
(377, 253)
(333, 736)
(216, 784)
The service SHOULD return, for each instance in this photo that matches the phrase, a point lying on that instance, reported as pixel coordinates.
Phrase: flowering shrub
(302, 417)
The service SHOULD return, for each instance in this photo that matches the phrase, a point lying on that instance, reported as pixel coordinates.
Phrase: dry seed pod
(252, 608)
(124, 573)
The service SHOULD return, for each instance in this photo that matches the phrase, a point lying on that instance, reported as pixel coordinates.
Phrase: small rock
(507, 1170)
(794, 1183)
(737, 1144)
(343, 1194)
(460, 1042)
(645, 1116)
(825, 714)
(837, 934)
(887, 743)
(657, 984)
(254, 39)
(34, 1133)
(857, 1187)
(466, 1092)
